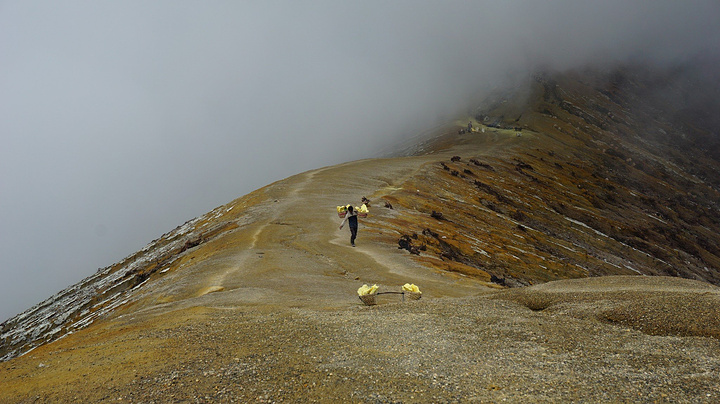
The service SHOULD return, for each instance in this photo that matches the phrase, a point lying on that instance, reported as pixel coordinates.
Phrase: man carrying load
(352, 219)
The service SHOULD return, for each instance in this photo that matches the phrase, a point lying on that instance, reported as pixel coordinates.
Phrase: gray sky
(120, 120)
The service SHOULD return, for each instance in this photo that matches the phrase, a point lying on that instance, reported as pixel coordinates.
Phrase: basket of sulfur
(368, 294)
(412, 291)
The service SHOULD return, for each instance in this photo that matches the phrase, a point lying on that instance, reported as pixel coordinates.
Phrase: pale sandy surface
(268, 312)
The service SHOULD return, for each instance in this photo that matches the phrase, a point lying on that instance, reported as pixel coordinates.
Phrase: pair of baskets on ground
(371, 299)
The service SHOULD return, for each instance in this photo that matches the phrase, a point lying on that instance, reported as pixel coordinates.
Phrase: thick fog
(120, 120)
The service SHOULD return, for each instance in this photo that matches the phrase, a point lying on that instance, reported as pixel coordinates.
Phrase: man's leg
(353, 235)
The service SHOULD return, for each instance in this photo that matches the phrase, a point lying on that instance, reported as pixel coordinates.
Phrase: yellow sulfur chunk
(367, 290)
(411, 288)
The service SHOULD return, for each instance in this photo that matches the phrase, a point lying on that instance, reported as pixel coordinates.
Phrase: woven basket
(342, 214)
(413, 295)
(369, 300)
(362, 214)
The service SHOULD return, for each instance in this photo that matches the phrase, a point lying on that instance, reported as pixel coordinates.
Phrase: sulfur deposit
(367, 290)
(411, 287)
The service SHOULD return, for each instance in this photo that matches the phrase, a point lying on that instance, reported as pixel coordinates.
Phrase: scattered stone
(522, 165)
(481, 164)
(191, 243)
(405, 243)
(499, 281)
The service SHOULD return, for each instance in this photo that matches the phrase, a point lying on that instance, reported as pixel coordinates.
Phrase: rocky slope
(580, 175)
(606, 180)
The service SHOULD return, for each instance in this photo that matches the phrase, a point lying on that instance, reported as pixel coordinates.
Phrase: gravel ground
(557, 343)
(489, 348)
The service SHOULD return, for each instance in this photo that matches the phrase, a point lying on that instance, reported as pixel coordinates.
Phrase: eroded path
(290, 252)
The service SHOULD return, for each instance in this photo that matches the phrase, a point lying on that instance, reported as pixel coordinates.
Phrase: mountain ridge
(561, 181)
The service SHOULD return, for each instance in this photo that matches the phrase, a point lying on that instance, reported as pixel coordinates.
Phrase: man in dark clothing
(352, 220)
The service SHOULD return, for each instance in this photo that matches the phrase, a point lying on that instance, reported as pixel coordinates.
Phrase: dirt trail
(300, 226)
(293, 254)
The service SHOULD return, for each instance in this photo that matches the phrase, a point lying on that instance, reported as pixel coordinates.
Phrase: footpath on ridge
(291, 252)
(267, 311)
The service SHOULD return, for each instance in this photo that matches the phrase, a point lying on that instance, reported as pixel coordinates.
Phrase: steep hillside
(572, 176)
(604, 180)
